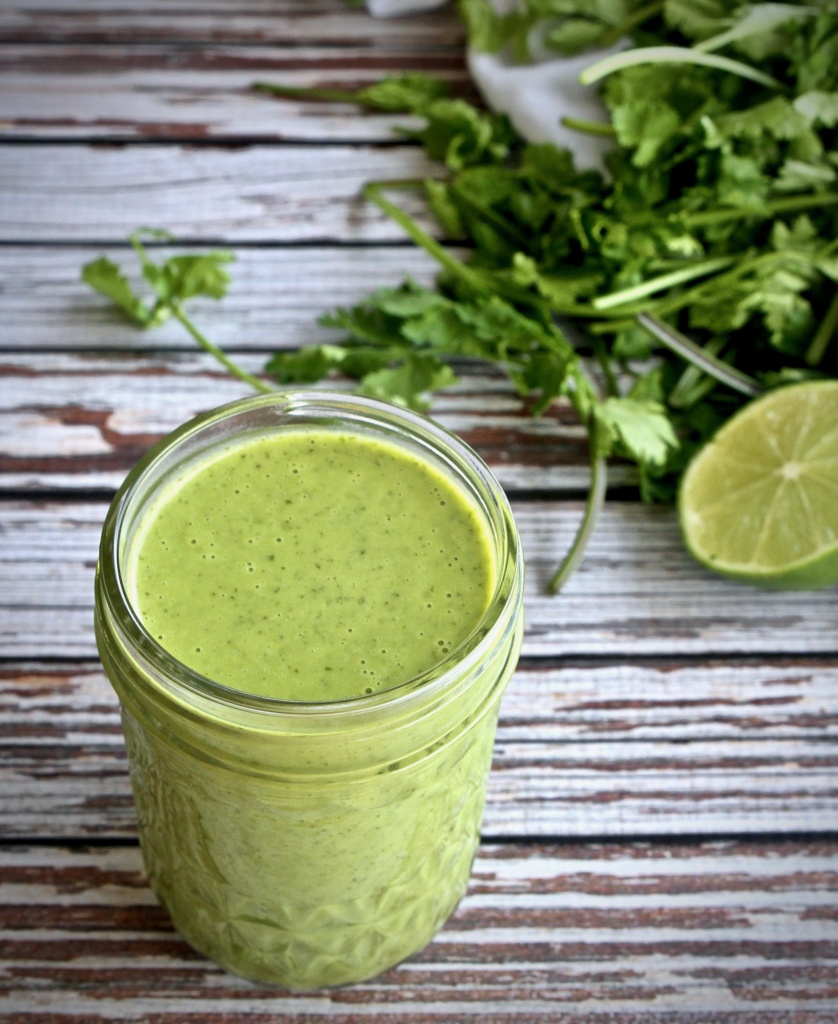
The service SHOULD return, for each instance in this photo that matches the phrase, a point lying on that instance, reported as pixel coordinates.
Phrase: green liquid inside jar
(312, 566)
(309, 784)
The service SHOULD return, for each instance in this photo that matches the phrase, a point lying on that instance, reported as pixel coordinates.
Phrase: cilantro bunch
(657, 297)
(715, 221)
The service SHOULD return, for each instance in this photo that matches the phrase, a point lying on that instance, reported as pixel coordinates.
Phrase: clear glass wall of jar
(309, 844)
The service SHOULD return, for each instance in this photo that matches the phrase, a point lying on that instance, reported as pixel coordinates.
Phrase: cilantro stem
(308, 93)
(631, 22)
(501, 224)
(604, 361)
(398, 183)
(790, 204)
(673, 303)
(217, 353)
(694, 383)
(590, 517)
(695, 354)
(373, 192)
(657, 284)
(824, 334)
(762, 18)
(674, 55)
(578, 124)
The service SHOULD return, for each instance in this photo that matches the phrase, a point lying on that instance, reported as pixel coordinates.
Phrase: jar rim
(339, 410)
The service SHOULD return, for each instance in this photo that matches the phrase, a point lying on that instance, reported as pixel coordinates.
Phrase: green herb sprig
(174, 281)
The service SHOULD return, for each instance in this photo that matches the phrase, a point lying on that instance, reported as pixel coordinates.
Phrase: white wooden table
(661, 834)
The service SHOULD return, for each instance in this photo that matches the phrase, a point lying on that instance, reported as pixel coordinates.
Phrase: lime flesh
(759, 502)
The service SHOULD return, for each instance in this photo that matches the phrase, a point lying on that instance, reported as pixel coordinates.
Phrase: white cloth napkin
(534, 96)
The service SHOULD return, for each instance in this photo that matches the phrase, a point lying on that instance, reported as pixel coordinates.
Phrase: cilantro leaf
(461, 136)
(107, 278)
(411, 382)
(175, 280)
(183, 277)
(544, 374)
(307, 365)
(818, 107)
(641, 428)
(410, 92)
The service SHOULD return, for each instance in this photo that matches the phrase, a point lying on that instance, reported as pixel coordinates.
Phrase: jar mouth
(349, 413)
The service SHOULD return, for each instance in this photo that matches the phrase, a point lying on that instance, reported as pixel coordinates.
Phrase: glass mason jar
(308, 844)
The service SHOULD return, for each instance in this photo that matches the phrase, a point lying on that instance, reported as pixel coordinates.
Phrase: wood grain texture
(605, 749)
(275, 297)
(261, 22)
(251, 193)
(80, 421)
(716, 932)
(204, 93)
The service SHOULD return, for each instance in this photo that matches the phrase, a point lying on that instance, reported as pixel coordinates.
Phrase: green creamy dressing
(311, 565)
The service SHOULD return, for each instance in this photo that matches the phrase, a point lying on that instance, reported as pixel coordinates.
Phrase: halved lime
(759, 502)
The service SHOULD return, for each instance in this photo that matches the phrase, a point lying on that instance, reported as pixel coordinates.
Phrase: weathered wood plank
(274, 300)
(76, 422)
(261, 22)
(608, 750)
(204, 93)
(671, 700)
(710, 933)
(636, 593)
(568, 701)
(289, 193)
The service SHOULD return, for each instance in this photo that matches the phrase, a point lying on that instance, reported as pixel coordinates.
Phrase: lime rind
(759, 502)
